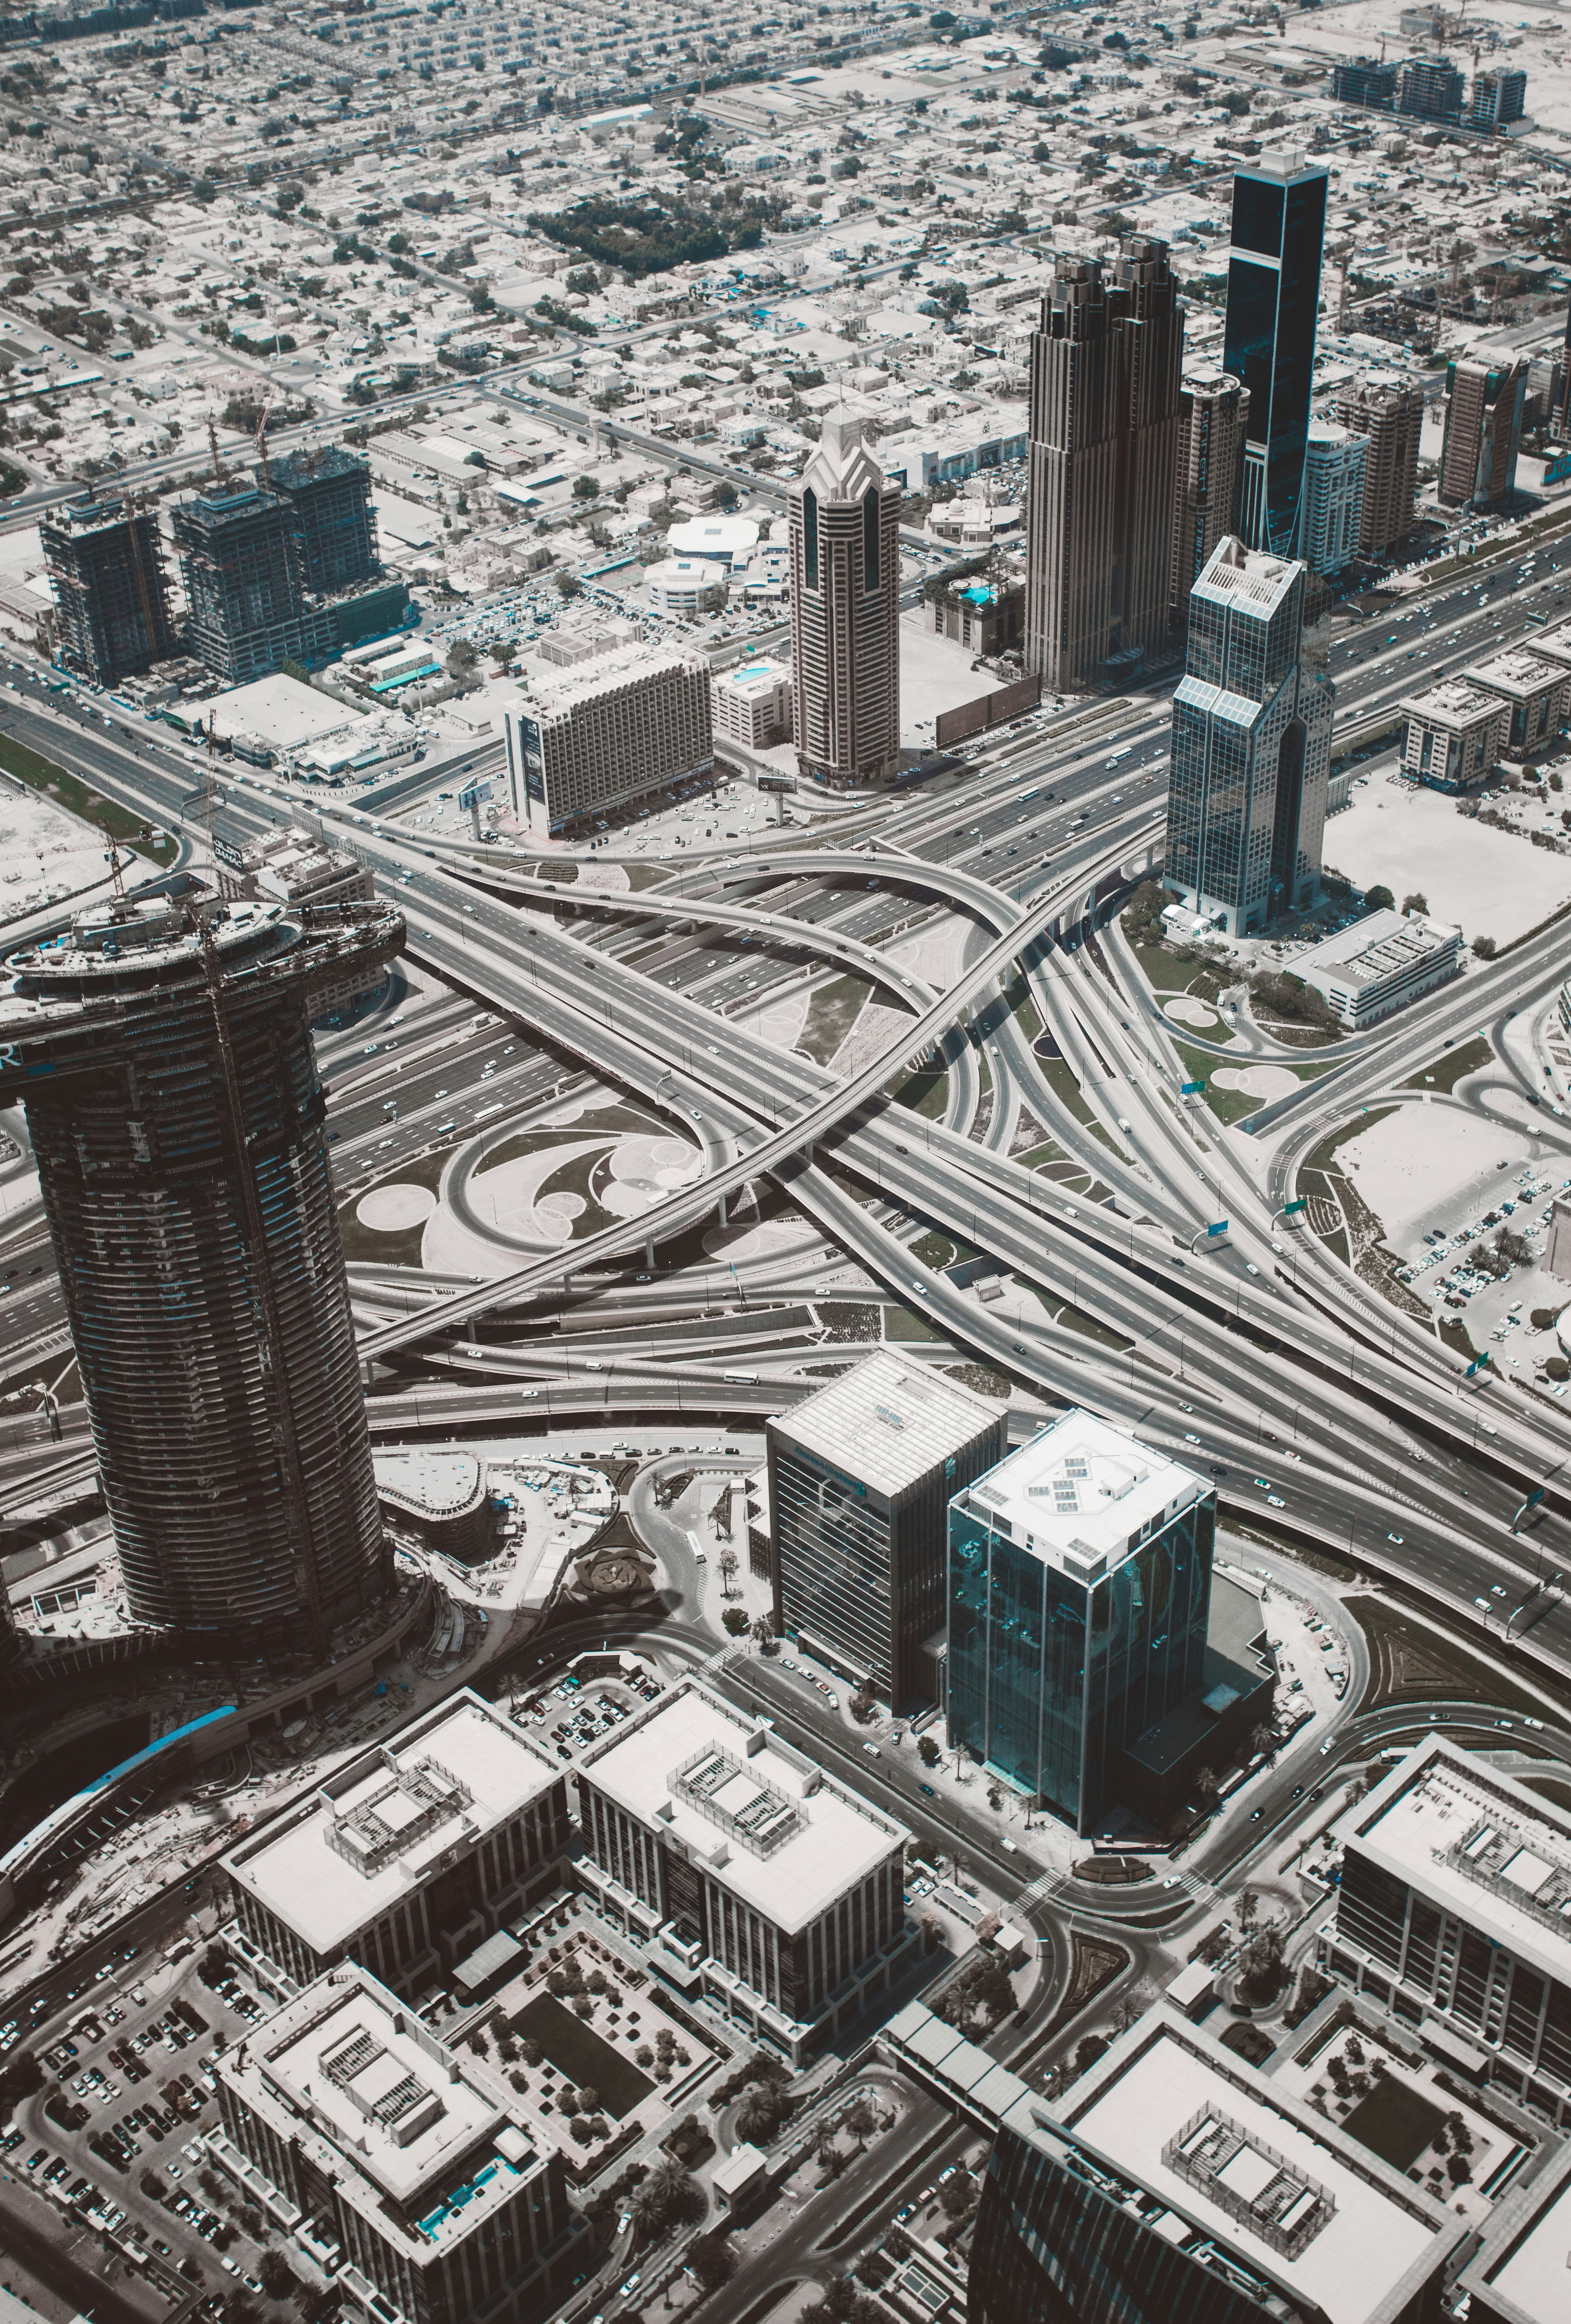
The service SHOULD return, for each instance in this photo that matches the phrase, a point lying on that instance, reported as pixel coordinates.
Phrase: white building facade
(607, 732)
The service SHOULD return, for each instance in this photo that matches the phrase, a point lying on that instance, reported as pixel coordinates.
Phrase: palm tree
(763, 1630)
(758, 2114)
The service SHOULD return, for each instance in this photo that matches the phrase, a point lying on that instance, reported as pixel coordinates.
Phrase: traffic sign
(1191, 1089)
(1220, 1228)
(776, 782)
(1292, 1210)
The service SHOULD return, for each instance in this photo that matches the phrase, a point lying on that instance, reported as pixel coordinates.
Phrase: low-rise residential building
(750, 1875)
(607, 732)
(407, 1856)
(1456, 733)
(1454, 1912)
(751, 703)
(1380, 964)
(398, 2162)
(1536, 690)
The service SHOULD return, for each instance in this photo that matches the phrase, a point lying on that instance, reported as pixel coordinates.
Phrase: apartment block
(1454, 1913)
(606, 732)
(407, 1856)
(399, 2164)
(1391, 420)
(1334, 461)
(1214, 409)
(106, 568)
(749, 1874)
(1535, 688)
(845, 612)
(751, 705)
(1483, 426)
(1456, 733)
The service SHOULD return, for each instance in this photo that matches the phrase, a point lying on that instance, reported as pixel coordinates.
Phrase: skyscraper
(1214, 416)
(1500, 97)
(1106, 424)
(1079, 1581)
(1333, 496)
(860, 1479)
(1483, 429)
(242, 562)
(106, 568)
(329, 489)
(1274, 296)
(1391, 420)
(845, 612)
(176, 1118)
(1251, 746)
(1431, 89)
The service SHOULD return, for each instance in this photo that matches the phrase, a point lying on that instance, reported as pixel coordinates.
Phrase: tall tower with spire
(845, 612)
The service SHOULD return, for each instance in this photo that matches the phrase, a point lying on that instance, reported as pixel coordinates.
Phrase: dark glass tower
(1274, 297)
(1079, 1590)
(176, 1116)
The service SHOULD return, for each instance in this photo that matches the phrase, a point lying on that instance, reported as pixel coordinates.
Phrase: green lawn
(1395, 2122)
(1059, 1078)
(577, 2051)
(67, 790)
(924, 1093)
(1451, 1067)
(832, 1012)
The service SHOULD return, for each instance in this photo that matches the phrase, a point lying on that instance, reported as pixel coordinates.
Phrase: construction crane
(213, 442)
(262, 438)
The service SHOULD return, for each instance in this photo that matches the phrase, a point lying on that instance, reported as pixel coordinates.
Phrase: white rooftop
(888, 1423)
(1235, 2158)
(387, 2109)
(1377, 945)
(761, 676)
(758, 1816)
(1080, 1494)
(437, 1483)
(556, 691)
(1471, 1839)
(330, 1864)
(1452, 702)
(1531, 2283)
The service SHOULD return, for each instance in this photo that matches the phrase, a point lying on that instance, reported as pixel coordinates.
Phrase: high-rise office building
(1365, 80)
(243, 563)
(1274, 297)
(1250, 755)
(1391, 420)
(1105, 429)
(1080, 1583)
(1214, 409)
(407, 2165)
(860, 1479)
(1333, 462)
(845, 612)
(1484, 430)
(176, 1117)
(1171, 2182)
(111, 593)
(329, 489)
(1500, 97)
(1431, 89)
(602, 733)
(1453, 1908)
(746, 1872)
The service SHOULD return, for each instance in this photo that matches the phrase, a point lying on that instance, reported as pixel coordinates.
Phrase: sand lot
(1428, 1168)
(1491, 884)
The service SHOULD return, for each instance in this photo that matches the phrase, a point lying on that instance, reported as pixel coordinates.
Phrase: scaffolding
(105, 567)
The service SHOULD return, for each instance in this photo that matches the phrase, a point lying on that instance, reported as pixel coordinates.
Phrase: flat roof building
(1080, 1574)
(1536, 689)
(748, 1873)
(860, 1477)
(402, 2161)
(606, 732)
(1517, 2275)
(1389, 418)
(1455, 1912)
(106, 568)
(407, 1856)
(751, 705)
(1454, 735)
(1380, 962)
(1185, 2179)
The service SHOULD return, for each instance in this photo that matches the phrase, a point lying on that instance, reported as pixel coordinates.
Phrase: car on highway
(1275, 1501)
(925, 1789)
(1395, 1537)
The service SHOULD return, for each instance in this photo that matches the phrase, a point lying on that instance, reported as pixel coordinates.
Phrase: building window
(810, 535)
(870, 515)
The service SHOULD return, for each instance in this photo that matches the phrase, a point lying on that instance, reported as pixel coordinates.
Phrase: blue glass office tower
(1251, 760)
(1274, 297)
(1080, 1583)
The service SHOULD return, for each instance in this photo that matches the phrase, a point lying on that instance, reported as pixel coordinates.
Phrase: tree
(1206, 1783)
(1415, 902)
(758, 2115)
(863, 1704)
(568, 586)
(1261, 1739)
(1261, 1958)
(152, 2185)
(18, 2081)
(735, 1620)
(277, 2277)
(1248, 1910)
(861, 2121)
(928, 1752)
(727, 1561)
(958, 2194)
(725, 493)
(1380, 900)
(763, 1631)
(1485, 948)
(584, 488)
(711, 2260)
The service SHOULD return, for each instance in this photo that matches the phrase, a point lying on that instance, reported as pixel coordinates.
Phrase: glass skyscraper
(1079, 1581)
(1274, 297)
(1250, 755)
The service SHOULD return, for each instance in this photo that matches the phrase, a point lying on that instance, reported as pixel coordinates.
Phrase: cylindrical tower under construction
(164, 1058)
